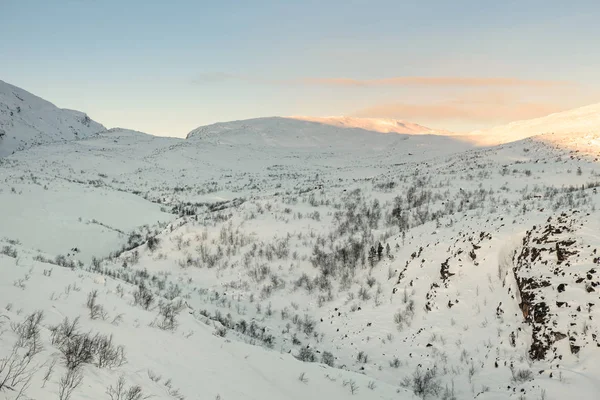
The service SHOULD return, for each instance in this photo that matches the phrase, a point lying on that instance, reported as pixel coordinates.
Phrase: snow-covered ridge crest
(583, 120)
(27, 120)
(382, 125)
(576, 129)
(347, 134)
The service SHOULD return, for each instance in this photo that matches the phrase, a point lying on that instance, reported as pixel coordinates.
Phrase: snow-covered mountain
(27, 120)
(278, 258)
(583, 120)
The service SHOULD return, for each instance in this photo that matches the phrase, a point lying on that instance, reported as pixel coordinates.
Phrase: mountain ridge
(27, 120)
(382, 125)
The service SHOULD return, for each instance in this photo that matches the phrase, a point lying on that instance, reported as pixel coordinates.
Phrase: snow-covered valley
(282, 258)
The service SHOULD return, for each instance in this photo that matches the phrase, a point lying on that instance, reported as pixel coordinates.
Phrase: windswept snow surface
(237, 264)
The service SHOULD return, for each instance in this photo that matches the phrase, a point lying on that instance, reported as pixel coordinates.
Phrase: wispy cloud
(424, 81)
(461, 111)
(444, 101)
(212, 77)
(434, 82)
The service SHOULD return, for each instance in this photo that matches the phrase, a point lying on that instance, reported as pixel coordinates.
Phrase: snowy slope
(237, 264)
(444, 298)
(27, 120)
(189, 362)
(580, 120)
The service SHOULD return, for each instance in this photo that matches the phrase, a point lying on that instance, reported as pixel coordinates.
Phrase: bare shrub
(302, 378)
(362, 357)
(423, 384)
(167, 316)
(521, 376)
(96, 310)
(308, 325)
(351, 384)
(363, 294)
(404, 318)
(117, 319)
(173, 392)
(143, 297)
(448, 393)
(118, 392)
(77, 350)
(48, 373)
(306, 354)
(9, 251)
(154, 377)
(28, 332)
(107, 354)
(15, 368)
(69, 383)
(64, 331)
(220, 331)
(395, 363)
(80, 348)
(152, 243)
(327, 358)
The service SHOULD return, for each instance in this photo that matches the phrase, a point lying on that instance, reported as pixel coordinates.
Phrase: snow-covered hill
(583, 120)
(285, 259)
(27, 120)
(317, 134)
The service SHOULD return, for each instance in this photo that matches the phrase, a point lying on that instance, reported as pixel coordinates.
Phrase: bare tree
(15, 368)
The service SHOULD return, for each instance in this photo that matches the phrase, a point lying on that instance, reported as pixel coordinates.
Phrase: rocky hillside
(557, 274)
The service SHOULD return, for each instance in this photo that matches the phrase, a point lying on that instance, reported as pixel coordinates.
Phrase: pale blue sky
(166, 67)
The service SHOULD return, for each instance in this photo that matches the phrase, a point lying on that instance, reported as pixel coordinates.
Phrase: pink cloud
(461, 111)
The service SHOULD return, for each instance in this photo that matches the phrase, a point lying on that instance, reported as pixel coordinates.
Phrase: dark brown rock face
(554, 279)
